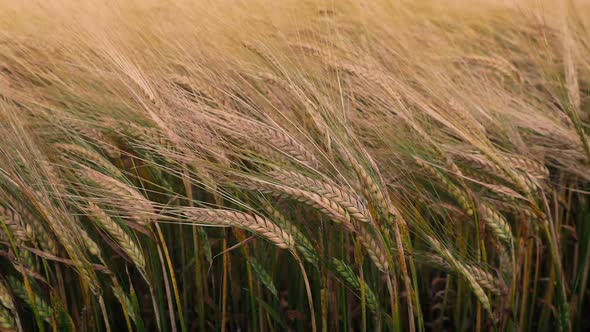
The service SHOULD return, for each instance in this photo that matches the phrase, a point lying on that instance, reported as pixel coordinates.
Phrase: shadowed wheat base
(260, 165)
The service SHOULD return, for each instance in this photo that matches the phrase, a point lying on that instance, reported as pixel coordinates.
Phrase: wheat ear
(497, 63)
(37, 230)
(7, 321)
(529, 166)
(485, 279)
(496, 222)
(87, 131)
(452, 189)
(255, 223)
(330, 208)
(374, 249)
(144, 135)
(273, 139)
(22, 231)
(462, 270)
(80, 153)
(354, 205)
(302, 243)
(136, 204)
(352, 279)
(41, 306)
(481, 163)
(287, 144)
(121, 237)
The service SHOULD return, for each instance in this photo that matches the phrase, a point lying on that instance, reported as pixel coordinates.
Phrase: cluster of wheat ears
(257, 165)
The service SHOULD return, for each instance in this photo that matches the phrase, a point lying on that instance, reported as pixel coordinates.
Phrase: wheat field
(294, 165)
